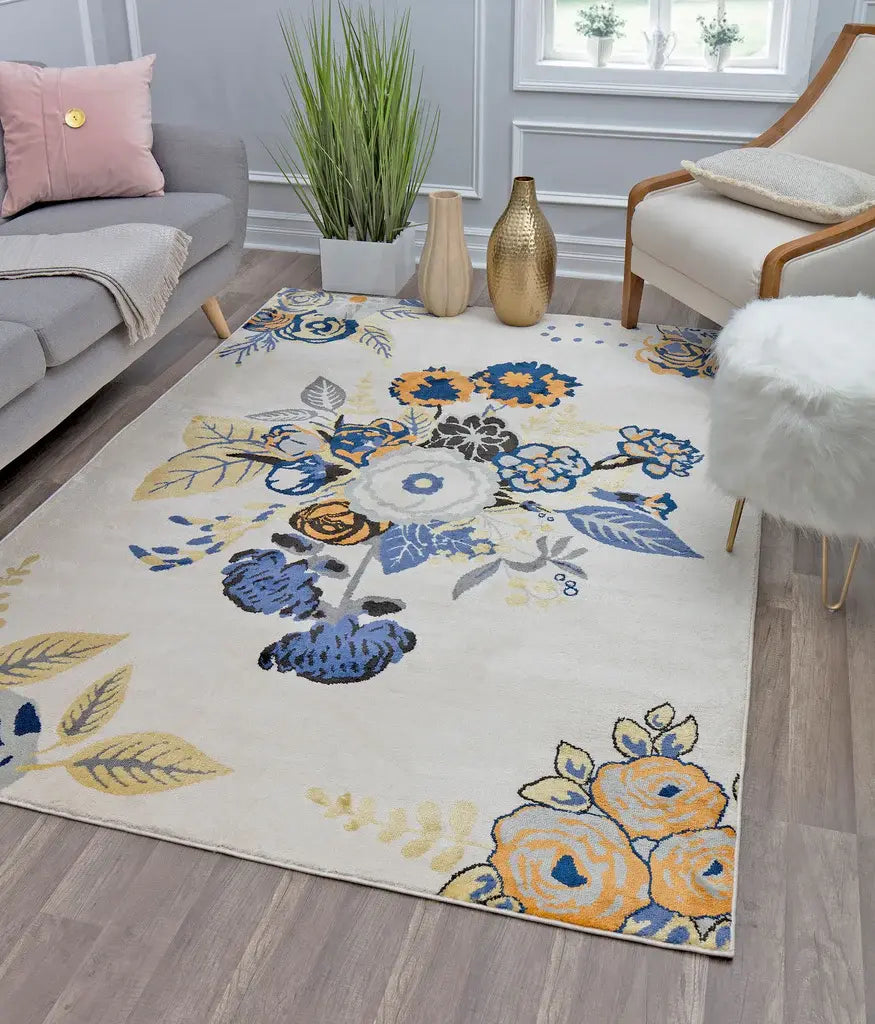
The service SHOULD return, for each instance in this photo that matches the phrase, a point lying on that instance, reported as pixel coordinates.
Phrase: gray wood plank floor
(100, 927)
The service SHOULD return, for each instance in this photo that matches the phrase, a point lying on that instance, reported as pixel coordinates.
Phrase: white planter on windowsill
(715, 60)
(600, 49)
(368, 268)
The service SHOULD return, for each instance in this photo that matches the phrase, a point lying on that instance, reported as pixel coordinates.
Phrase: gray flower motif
(422, 485)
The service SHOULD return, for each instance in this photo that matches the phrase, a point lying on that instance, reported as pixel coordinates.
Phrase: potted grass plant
(717, 36)
(361, 138)
(601, 25)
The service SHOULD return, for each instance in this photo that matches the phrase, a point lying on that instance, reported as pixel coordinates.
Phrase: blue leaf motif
(403, 547)
(461, 541)
(628, 529)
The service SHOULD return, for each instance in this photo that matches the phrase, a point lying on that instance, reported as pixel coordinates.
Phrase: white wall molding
(132, 15)
(276, 178)
(87, 33)
(578, 255)
(524, 129)
(864, 12)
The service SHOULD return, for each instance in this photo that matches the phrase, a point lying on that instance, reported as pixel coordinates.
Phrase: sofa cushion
(22, 362)
(713, 240)
(71, 313)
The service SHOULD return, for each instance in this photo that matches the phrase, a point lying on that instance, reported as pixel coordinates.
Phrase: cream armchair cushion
(709, 239)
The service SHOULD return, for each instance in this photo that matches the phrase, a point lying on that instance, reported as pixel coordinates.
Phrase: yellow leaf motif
(416, 848)
(47, 654)
(630, 738)
(563, 794)
(463, 814)
(428, 815)
(94, 708)
(395, 826)
(207, 468)
(447, 859)
(660, 717)
(573, 763)
(318, 796)
(146, 762)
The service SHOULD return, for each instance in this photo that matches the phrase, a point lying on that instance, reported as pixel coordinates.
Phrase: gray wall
(220, 61)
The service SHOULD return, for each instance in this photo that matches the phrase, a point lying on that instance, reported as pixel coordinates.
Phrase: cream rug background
(528, 692)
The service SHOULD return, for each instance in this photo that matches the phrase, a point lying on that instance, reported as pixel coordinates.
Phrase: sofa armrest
(837, 260)
(200, 160)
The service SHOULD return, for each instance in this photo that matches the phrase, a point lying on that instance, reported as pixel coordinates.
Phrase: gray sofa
(62, 338)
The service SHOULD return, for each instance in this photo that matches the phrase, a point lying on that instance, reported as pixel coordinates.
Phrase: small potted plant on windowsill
(718, 35)
(601, 25)
(361, 141)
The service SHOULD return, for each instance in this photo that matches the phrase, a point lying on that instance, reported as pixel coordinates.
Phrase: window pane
(754, 17)
(566, 38)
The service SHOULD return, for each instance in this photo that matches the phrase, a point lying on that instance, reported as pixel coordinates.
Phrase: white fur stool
(793, 417)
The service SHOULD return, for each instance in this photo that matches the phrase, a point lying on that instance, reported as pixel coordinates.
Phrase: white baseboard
(578, 255)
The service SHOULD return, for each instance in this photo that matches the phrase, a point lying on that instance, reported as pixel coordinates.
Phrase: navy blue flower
(340, 652)
(317, 328)
(302, 476)
(525, 385)
(262, 581)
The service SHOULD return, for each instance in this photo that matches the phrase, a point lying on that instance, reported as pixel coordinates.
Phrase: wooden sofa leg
(214, 314)
(633, 286)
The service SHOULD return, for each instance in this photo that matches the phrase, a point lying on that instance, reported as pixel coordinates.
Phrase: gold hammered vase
(521, 259)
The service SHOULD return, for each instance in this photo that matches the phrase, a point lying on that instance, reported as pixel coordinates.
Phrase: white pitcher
(660, 46)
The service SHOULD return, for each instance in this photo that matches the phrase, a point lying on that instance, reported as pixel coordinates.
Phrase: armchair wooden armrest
(777, 259)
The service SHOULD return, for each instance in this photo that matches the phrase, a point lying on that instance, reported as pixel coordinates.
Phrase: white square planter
(368, 268)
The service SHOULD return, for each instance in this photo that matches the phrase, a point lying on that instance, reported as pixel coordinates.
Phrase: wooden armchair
(716, 254)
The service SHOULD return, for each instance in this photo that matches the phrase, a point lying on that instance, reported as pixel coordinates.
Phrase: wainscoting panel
(597, 164)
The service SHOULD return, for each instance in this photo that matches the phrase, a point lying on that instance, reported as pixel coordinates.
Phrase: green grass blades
(360, 135)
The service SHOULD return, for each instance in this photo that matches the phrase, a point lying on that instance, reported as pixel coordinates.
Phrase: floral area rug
(435, 605)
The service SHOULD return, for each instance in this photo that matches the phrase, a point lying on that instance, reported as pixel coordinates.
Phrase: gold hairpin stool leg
(824, 575)
(733, 526)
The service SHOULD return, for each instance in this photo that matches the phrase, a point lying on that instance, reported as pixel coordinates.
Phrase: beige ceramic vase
(521, 259)
(445, 270)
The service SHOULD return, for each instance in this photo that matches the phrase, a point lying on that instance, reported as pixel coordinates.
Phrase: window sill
(735, 84)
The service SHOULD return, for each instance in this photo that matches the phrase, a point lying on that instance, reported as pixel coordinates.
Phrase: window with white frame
(771, 62)
(761, 23)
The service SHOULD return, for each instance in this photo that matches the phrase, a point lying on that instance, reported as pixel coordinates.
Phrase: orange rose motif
(577, 868)
(334, 522)
(656, 796)
(693, 872)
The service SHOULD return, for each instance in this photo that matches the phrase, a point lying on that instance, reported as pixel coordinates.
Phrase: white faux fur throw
(138, 263)
(793, 411)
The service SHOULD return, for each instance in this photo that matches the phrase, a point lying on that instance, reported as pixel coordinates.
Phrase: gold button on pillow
(74, 118)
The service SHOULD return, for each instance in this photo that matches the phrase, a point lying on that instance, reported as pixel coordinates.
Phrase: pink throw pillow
(53, 152)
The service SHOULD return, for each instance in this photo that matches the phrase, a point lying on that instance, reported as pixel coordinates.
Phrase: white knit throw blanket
(138, 263)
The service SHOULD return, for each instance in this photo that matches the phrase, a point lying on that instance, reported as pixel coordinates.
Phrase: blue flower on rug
(20, 727)
(659, 453)
(302, 476)
(525, 385)
(541, 467)
(340, 652)
(317, 328)
(262, 581)
(356, 443)
(684, 352)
